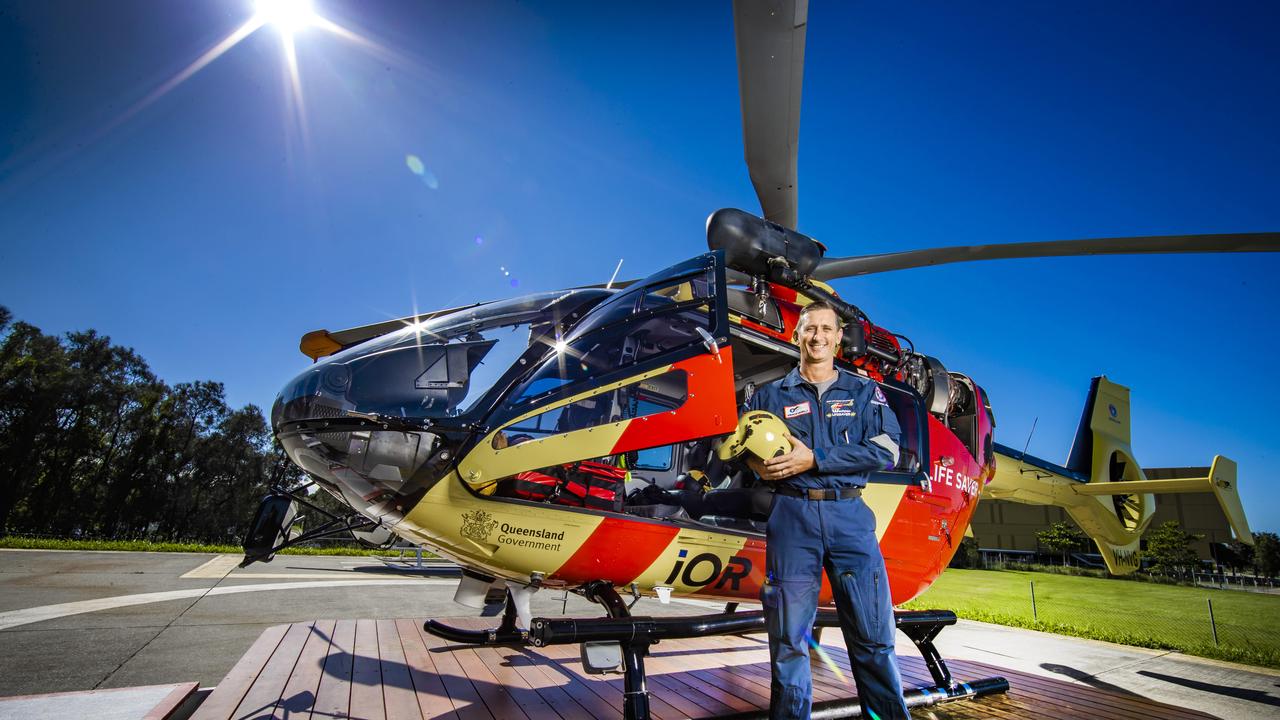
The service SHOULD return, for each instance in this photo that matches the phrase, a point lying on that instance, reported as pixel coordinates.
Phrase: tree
(967, 555)
(92, 443)
(1062, 537)
(1169, 549)
(1235, 555)
(1266, 554)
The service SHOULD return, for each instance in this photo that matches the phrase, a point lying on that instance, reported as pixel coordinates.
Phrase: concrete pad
(136, 703)
(1227, 690)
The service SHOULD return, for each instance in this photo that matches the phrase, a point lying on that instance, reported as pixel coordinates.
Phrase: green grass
(25, 543)
(1146, 615)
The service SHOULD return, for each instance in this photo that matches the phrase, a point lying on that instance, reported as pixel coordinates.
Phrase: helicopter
(566, 439)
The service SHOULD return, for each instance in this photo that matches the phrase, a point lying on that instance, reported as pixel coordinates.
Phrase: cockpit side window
(635, 329)
(694, 288)
(648, 397)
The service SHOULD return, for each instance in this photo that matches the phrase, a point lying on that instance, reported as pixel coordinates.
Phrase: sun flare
(287, 16)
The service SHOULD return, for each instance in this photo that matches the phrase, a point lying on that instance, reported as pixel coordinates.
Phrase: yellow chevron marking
(883, 500)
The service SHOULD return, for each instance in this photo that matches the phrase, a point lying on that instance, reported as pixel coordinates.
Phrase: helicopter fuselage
(428, 428)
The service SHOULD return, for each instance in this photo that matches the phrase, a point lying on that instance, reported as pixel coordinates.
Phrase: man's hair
(814, 307)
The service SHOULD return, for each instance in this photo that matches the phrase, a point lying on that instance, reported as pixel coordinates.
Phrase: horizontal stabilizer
(1221, 481)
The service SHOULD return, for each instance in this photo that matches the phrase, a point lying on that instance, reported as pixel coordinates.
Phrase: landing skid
(506, 633)
(635, 635)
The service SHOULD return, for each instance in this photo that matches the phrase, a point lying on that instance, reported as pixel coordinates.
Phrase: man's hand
(793, 463)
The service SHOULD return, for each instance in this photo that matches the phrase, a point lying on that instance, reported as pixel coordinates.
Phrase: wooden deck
(390, 669)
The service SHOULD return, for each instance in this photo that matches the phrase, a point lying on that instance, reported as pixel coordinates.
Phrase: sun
(288, 16)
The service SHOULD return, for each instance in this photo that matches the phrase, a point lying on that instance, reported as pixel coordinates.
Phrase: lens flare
(826, 659)
(419, 168)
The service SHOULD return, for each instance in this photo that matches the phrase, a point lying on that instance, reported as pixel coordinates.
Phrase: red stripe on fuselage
(618, 551)
(709, 409)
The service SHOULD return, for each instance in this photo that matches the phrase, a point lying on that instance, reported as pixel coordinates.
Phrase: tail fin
(1115, 504)
(1080, 459)
(1115, 520)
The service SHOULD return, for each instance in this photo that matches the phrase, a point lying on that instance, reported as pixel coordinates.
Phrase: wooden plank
(607, 687)
(707, 685)
(684, 697)
(734, 676)
(466, 699)
(763, 675)
(737, 660)
(397, 683)
(584, 696)
(392, 670)
(226, 697)
(268, 688)
(366, 674)
(1054, 699)
(429, 691)
(670, 671)
(300, 691)
(497, 697)
(498, 662)
(333, 697)
(743, 686)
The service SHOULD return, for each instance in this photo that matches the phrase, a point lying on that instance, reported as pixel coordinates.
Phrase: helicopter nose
(368, 467)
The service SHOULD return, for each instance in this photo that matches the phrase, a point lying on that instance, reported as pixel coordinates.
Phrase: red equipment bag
(533, 485)
(594, 485)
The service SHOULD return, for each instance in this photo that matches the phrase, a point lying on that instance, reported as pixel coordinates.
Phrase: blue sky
(210, 226)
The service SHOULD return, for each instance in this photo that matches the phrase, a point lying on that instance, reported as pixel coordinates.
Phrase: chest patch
(794, 411)
(840, 408)
(878, 398)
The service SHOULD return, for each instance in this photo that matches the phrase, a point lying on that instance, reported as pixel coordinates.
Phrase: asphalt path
(86, 620)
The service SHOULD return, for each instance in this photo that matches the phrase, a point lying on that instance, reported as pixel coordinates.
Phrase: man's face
(819, 334)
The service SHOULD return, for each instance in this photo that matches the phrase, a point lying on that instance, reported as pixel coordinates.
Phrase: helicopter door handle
(712, 346)
(920, 495)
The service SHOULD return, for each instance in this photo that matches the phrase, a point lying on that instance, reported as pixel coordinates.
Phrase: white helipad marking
(26, 616)
(221, 565)
(215, 568)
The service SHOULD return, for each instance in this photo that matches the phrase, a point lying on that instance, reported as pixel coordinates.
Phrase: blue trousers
(804, 538)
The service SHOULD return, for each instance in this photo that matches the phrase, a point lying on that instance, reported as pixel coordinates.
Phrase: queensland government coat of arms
(477, 525)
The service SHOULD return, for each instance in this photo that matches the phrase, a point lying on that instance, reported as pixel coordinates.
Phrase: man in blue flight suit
(841, 429)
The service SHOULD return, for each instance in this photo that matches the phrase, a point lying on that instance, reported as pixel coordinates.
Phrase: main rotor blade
(770, 40)
(832, 268)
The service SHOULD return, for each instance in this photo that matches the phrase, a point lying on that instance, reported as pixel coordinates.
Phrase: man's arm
(877, 449)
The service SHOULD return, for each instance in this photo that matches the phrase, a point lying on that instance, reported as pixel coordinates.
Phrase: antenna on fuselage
(615, 275)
